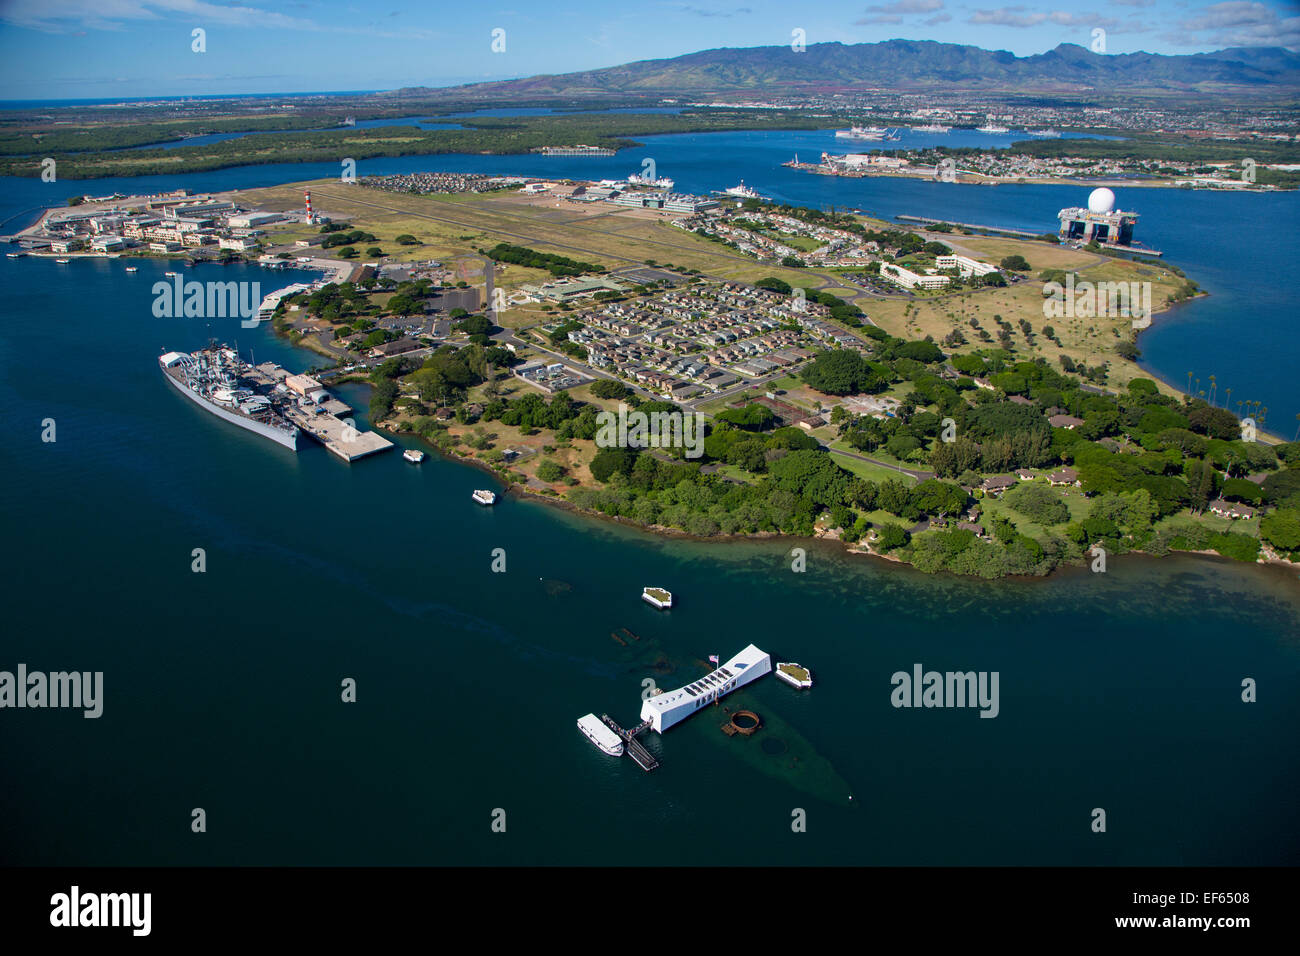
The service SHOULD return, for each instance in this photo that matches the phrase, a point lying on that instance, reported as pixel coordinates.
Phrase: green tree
(550, 471)
(1281, 529)
(1038, 503)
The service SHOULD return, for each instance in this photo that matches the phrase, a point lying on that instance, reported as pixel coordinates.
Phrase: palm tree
(1227, 402)
(1213, 386)
(1263, 414)
(1189, 383)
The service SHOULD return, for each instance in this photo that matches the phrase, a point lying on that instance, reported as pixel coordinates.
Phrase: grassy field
(451, 226)
(1091, 340)
(1074, 500)
(869, 472)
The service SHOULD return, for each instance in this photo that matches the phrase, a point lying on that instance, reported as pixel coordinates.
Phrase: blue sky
(56, 49)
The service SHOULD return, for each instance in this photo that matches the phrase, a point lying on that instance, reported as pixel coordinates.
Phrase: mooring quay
(339, 436)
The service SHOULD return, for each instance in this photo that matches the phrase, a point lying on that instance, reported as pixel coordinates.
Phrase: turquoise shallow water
(1119, 691)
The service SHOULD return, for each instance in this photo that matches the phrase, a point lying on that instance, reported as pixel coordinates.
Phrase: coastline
(846, 549)
(339, 271)
(975, 179)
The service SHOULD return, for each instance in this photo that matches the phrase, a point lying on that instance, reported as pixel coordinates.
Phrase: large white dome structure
(1100, 222)
(1101, 200)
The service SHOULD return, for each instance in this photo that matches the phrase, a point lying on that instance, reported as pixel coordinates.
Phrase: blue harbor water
(222, 689)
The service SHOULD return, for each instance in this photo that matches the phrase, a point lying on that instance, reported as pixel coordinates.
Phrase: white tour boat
(485, 497)
(413, 455)
(594, 729)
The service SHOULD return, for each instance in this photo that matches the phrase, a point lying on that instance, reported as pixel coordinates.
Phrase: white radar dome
(1101, 200)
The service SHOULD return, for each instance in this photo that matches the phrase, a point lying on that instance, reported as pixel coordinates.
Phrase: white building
(252, 219)
(674, 706)
(909, 279)
(965, 265)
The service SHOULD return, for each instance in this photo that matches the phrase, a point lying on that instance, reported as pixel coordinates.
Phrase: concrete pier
(340, 437)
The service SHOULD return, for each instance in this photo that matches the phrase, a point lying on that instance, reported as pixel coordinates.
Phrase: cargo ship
(219, 381)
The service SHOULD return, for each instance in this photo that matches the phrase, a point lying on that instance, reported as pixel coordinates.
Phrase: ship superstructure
(219, 381)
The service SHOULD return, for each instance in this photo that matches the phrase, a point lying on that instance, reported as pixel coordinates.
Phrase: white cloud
(77, 16)
(1237, 23)
(895, 11)
(1021, 17)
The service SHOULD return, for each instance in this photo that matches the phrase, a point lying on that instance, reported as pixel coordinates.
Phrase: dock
(340, 437)
(927, 221)
(642, 757)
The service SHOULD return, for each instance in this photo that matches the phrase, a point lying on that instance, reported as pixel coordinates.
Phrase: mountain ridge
(913, 65)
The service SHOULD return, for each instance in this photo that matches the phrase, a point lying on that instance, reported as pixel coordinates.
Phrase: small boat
(15, 255)
(131, 268)
(990, 128)
(794, 675)
(934, 128)
(64, 261)
(1045, 133)
(413, 455)
(594, 729)
(171, 275)
(484, 497)
(660, 597)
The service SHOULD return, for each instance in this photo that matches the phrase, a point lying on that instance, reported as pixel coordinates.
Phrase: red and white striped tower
(307, 195)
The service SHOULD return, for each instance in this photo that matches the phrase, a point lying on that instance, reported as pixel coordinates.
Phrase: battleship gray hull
(288, 439)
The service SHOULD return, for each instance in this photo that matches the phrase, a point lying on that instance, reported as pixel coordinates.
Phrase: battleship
(219, 381)
(641, 179)
(862, 132)
(740, 192)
